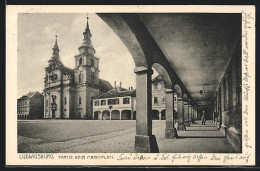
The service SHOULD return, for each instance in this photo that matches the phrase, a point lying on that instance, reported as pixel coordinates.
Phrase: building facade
(120, 103)
(68, 92)
(30, 106)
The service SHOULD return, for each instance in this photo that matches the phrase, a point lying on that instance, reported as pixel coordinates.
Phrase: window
(103, 102)
(126, 100)
(155, 86)
(92, 62)
(155, 100)
(79, 100)
(116, 101)
(65, 100)
(80, 77)
(92, 79)
(163, 99)
(96, 103)
(110, 101)
(80, 61)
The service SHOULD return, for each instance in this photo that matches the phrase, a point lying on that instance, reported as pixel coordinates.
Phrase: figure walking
(203, 118)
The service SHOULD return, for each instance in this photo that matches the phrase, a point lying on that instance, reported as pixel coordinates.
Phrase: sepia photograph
(144, 86)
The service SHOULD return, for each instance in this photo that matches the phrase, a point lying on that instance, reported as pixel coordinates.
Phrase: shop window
(103, 102)
(126, 100)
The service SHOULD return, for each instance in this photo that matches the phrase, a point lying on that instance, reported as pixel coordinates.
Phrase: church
(68, 92)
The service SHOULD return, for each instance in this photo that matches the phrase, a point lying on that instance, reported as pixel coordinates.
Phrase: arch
(178, 90)
(163, 74)
(155, 114)
(95, 117)
(185, 98)
(80, 61)
(163, 116)
(119, 25)
(134, 115)
(126, 115)
(106, 115)
(115, 115)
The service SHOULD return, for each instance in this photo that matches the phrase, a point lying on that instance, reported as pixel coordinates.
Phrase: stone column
(160, 115)
(110, 115)
(192, 114)
(132, 114)
(181, 126)
(120, 115)
(186, 113)
(145, 142)
(170, 130)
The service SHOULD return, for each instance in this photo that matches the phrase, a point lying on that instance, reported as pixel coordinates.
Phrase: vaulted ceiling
(198, 47)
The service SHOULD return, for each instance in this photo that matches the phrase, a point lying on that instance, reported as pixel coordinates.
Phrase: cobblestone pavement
(196, 139)
(114, 142)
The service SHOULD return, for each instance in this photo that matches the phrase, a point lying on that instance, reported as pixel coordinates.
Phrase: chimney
(131, 88)
(128, 88)
(115, 84)
(120, 85)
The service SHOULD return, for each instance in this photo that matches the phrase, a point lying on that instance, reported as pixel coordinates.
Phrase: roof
(29, 95)
(157, 79)
(104, 85)
(115, 93)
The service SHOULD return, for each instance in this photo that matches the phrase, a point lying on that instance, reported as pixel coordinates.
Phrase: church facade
(68, 92)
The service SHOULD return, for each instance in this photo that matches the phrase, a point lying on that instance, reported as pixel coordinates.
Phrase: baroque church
(68, 92)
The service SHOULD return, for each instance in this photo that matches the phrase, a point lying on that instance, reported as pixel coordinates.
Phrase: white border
(12, 157)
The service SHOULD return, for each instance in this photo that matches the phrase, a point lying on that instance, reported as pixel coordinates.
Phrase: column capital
(143, 69)
(168, 91)
(179, 99)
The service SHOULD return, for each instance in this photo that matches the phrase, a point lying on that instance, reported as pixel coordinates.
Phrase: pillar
(110, 115)
(160, 115)
(132, 115)
(192, 114)
(181, 126)
(120, 115)
(186, 113)
(170, 130)
(145, 142)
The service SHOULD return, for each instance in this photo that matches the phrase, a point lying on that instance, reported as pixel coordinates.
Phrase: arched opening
(126, 115)
(115, 115)
(105, 115)
(155, 115)
(95, 115)
(80, 61)
(163, 116)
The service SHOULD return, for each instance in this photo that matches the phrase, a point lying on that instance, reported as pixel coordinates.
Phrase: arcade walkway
(198, 139)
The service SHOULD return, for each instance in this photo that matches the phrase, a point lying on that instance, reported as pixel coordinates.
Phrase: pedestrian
(203, 118)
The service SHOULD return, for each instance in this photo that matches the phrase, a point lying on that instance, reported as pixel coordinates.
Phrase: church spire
(86, 33)
(55, 50)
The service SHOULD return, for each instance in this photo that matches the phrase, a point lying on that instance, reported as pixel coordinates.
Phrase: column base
(186, 124)
(181, 127)
(146, 144)
(171, 133)
(223, 129)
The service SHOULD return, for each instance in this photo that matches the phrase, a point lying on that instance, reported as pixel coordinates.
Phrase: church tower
(86, 76)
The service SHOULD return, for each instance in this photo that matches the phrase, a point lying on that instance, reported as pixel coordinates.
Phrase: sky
(36, 38)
